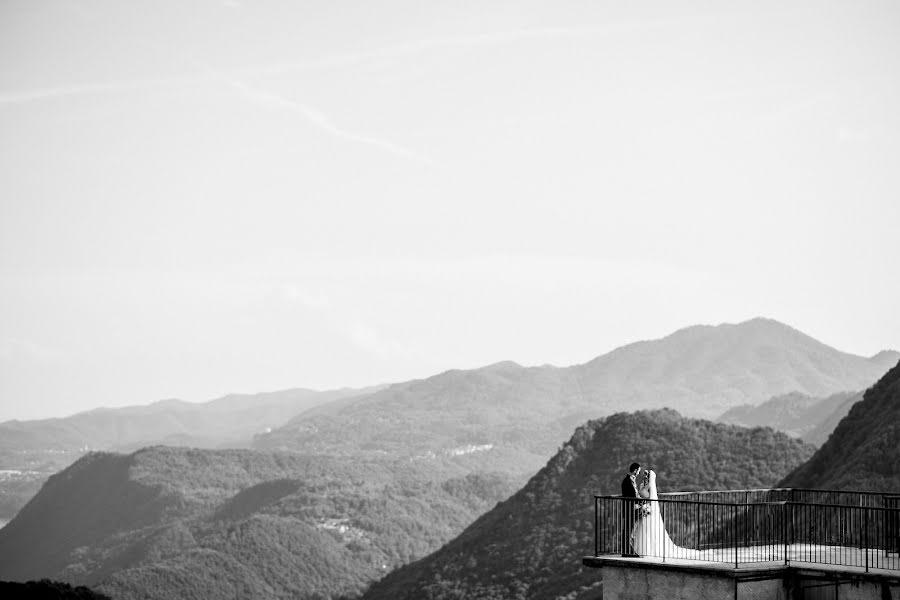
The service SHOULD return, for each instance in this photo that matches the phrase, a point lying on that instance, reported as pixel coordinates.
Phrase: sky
(204, 197)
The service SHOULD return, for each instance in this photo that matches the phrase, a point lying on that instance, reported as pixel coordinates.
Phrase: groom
(629, 506)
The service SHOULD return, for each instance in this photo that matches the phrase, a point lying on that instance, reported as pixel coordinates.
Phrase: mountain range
(513, 417)
(30, 451)
(357, 485)
(229, 421)
(699, 371)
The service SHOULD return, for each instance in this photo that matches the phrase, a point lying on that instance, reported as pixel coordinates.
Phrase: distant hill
(863, 452)
(823, 430)
(32, 450)
(191, 523)
(798, 415)
(230, 420)
(699, 371)
(529, 546)
(703, 371)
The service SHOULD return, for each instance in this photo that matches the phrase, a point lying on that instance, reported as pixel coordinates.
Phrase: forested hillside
(179, 523)
(530, 546)
(863, 451)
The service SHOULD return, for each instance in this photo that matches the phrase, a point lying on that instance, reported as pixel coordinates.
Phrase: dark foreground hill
(798, 415)
(530, 546)
(863, 452)
(181, 523)
(47, 590)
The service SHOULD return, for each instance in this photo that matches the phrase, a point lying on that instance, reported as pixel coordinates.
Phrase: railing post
(596, 526)
(866, 535)
(784, 529)
(697, 524)
(734, 533)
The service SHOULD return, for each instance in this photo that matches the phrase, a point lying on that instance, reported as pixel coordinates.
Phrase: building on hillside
(783, 544)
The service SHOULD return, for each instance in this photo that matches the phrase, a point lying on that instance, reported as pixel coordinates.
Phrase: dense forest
(174, 522)
(530, 546)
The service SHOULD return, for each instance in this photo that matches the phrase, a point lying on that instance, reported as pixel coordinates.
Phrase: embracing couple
(643, 531)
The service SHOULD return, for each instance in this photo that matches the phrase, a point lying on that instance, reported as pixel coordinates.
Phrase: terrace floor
(822, 557)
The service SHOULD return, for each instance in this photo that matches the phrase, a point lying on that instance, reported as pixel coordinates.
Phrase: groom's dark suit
(628, 508)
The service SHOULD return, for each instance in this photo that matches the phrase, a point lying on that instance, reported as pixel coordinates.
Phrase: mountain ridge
(701, 371)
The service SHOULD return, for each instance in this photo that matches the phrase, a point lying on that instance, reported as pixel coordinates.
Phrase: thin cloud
(87, 89)
(416, 47)
(349, 59)
(268, 99)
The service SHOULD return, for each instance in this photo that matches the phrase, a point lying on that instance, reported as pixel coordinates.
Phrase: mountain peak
(886, 356)
(503, 365)
(759, 358)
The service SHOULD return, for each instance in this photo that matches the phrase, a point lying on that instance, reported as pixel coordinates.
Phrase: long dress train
(650, 535)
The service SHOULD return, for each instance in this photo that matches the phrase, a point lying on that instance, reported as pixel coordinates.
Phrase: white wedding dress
(650, 535)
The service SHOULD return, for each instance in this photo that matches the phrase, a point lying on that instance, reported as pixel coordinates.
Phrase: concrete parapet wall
(837, 587)
(647, 581)
(624, 583)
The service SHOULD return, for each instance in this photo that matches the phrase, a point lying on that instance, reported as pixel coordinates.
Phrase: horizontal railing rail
(805, 495)
(854, 529)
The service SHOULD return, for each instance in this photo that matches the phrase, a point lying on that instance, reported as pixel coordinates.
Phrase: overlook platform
(743, 544)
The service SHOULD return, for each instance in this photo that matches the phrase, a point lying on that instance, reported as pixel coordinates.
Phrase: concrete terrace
(784, 544)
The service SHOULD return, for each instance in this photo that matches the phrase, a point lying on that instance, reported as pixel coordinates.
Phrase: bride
(650, 535)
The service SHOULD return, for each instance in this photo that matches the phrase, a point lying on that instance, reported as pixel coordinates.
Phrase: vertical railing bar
(866, 536)
(734, 533)
(698, 525)
(784, 520)
(596, 526)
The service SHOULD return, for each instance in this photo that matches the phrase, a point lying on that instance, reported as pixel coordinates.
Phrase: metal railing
(744, 527)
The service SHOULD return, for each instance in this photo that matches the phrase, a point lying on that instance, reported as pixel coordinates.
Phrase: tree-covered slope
(863, 452)
(531, 545)
(182, 523)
